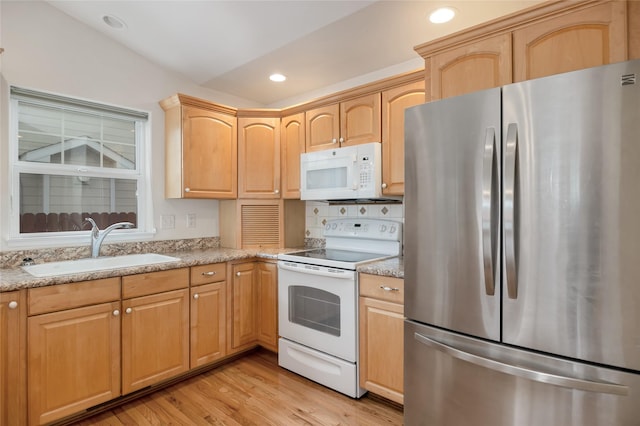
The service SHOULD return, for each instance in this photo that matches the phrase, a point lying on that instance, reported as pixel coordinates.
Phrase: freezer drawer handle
(538, 376)
(511, 158)
(488, 182)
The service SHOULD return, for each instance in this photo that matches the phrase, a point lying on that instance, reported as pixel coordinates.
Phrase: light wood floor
(252, 390)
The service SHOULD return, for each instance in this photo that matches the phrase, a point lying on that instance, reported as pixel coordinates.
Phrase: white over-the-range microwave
(349, 173)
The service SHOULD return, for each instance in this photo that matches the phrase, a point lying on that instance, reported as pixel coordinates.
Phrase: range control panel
(375, 229)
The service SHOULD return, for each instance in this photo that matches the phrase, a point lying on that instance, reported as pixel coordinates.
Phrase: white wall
(50, 51)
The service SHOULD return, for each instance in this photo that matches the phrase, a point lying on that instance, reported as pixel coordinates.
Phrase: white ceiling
(233, 46)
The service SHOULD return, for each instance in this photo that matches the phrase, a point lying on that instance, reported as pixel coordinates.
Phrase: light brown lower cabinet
(13, 388)
(243, 302)
(208, 313)
(382, 336)
(68, 347)
(155, 328)
(267, 276)
(73, 360)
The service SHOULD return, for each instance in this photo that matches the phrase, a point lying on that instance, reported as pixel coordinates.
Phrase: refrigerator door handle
(488, 164)
(511, 156)
(526, 373)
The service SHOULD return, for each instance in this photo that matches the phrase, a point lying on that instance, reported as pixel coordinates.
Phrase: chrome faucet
(97, 237)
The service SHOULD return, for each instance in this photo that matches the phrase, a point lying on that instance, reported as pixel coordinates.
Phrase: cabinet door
(244, 297)
(582, 39)
(360, 120)
(73, 360)
(322, 128)
(394, 102)
(291, 146)
(259, 158)
(13, 388)
(155, 338)
(208, 323)
(480, 65)
(209, 154)
(382, 348)
(267, 276)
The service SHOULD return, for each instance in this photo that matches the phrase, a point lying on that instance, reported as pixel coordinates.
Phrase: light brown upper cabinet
(291, 146)
(476, 66)
(394, 102)
(352, 122)
(200, 149)
(549, 38)
(258, 157)
(582, 39)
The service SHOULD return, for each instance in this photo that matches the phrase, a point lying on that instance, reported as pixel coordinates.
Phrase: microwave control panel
(367, 171)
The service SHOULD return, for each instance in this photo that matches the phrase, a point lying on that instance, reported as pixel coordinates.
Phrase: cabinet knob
(128, 310)
(277, 191)
(196, 296)
(187, 189)
(384, 185)
(116, 313)
(385, 288)
(209, 274)
(334, 140)
(341, 140)
(238, 274)
(13, 304)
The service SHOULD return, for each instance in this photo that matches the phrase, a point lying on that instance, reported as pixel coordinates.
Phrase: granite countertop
(15, 278)
(393, 267)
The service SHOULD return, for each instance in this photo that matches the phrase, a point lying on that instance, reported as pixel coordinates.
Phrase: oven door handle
(317, 270)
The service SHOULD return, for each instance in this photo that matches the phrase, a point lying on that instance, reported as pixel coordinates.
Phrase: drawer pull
(385, 288)
(209, 274)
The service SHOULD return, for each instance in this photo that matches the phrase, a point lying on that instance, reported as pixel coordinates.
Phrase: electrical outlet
(191, 220)
(167, 221)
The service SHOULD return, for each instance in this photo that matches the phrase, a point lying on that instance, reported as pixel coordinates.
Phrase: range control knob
(383, 228)
(327, 226)
(392, 229)
(334, 225)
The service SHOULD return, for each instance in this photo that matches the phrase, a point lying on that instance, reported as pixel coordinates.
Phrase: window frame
(141, 174)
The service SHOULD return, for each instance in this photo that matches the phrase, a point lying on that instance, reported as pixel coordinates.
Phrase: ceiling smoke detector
(114, 22)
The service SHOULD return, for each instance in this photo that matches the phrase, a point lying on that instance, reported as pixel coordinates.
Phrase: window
(72, 159)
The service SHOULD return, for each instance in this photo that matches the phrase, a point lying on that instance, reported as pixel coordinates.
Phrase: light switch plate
(191, 220)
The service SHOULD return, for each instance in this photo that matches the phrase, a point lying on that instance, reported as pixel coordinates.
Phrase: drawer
(383, 288)
(211, 273)
(154, 282)
(68, 296)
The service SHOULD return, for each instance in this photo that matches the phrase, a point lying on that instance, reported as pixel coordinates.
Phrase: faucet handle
(91, 221)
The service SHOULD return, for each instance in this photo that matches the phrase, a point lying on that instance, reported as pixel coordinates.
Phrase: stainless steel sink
(66, 267)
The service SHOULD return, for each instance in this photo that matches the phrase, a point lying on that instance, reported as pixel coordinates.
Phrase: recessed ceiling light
(114, 22)
(442, 15)
(277, 78)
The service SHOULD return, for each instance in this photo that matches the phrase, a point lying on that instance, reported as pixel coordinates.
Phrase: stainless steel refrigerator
(522, 254)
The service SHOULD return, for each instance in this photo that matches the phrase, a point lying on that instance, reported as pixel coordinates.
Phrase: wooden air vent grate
(260, 225)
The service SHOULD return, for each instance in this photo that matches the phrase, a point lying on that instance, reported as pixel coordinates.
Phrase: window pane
(52, 203)
(61, 136)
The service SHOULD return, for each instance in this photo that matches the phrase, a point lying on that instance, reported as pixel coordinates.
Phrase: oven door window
(314, 308)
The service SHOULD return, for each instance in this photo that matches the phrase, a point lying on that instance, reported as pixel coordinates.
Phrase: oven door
(318, 308)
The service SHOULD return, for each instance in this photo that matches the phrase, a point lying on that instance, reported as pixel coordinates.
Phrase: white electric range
(318, 300)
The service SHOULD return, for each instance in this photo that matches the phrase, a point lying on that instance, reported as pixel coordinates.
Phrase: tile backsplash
(318, 213)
